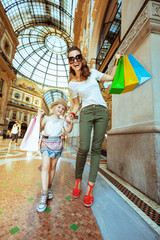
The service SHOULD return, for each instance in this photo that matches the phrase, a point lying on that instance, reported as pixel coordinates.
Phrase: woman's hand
(71, 116)
(118, 55)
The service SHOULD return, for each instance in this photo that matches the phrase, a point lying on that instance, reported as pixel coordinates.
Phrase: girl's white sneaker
(50, 194)
(42, 204)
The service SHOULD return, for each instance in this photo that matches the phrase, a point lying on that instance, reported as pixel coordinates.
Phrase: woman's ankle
(88, 188)
(79, 184)
(77, 188)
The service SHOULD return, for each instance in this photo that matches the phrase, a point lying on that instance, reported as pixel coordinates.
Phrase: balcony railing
(6, 60)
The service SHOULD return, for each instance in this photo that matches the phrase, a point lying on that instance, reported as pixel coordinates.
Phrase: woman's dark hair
(85, 72)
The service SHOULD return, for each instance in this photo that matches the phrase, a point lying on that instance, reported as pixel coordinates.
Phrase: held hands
(69, 126)
(72, 115)
(69, 120)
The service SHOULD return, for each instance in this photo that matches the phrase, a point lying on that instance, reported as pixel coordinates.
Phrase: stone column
(133, 147)
(22, 117)
(3, 122)
(18, 115)
(28, 118)
(10, 114)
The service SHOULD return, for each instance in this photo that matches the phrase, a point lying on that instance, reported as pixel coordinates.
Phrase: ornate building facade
(8, 44)
(24, 100)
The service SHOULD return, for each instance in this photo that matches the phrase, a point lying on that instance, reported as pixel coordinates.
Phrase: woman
(83, 86)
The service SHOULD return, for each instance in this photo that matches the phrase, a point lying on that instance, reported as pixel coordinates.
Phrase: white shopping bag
(30, 141)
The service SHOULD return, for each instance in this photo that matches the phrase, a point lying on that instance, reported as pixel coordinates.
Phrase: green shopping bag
(117, 85)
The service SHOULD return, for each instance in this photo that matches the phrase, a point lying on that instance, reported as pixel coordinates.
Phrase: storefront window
(14, 115)
(25, 117)
(16, 95)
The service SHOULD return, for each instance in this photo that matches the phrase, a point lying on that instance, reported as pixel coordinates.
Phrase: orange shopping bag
(130, 78)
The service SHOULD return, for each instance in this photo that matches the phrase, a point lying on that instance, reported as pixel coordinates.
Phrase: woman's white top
(88, 91)
(53, 126)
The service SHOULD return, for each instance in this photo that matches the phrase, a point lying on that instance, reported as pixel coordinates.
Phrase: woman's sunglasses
(77, 57)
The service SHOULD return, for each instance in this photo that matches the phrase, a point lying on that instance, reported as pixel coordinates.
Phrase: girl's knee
(53, 164)
(53, 167)
(45, 166)
(45, 162)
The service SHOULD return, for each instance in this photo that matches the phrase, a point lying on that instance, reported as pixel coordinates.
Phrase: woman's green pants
(96, 117)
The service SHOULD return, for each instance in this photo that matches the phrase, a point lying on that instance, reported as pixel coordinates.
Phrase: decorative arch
(52, 95)
(10, 125)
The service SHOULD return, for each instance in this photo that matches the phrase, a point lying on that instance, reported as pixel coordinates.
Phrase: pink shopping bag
(30, 141)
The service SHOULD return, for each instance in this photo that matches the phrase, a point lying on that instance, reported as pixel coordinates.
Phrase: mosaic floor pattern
(20, 187)
(66, 218)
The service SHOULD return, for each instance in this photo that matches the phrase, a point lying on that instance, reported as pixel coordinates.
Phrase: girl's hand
(40, 112)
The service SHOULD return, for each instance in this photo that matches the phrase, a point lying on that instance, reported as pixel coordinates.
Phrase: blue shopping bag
(139, 70)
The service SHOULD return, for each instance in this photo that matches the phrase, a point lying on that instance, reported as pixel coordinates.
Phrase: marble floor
(113, 216)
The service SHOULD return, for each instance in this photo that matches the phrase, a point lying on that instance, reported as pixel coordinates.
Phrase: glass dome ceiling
(45, 31)
(52, 95)
(55, 44)
(41, 56)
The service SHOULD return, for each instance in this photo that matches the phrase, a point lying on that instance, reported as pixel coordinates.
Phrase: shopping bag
(139, 70)
(30, 141)
(130, 78)
(117, 85)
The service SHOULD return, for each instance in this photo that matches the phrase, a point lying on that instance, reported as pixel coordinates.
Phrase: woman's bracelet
(73, 114)
(116, 61)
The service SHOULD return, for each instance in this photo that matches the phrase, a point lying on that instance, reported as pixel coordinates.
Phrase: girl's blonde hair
(85, 72)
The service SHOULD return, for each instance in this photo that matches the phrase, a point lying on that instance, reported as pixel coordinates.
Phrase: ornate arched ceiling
(45, 31)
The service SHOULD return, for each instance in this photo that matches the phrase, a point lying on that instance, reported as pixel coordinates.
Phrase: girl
(52, 146)
(94, 114)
